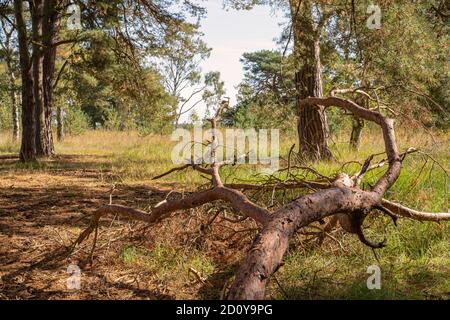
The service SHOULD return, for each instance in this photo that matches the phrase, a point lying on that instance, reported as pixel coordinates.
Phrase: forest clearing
(132, 264)
(260, 150)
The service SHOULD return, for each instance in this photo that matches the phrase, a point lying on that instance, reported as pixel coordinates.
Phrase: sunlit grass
(414, 265)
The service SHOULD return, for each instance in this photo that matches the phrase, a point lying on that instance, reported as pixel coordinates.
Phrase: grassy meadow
(415, 264)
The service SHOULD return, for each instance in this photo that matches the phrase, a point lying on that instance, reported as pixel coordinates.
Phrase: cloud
(232, 33)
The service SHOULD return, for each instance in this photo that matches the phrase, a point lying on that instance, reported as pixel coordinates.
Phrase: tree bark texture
(28, 146)
(312, 122)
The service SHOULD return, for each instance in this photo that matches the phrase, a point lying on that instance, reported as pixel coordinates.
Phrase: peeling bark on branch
(268, 250)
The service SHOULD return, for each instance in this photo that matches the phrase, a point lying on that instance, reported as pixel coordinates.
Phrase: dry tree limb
(278, 186)
(197, 275)
(360, 91)
(235, 198)
(403, 211)
(387, 212)
(171, 171)
(218, 192)
(366, 167)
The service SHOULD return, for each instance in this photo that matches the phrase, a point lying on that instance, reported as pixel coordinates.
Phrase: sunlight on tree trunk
(28, 146)
(312, 120)
(60, 123)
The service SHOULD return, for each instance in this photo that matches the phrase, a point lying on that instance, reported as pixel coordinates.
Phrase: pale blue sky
(230, 33)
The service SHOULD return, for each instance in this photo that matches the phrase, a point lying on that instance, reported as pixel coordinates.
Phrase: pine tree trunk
(312, 121)
(50, 31)
(15, 117)
(358, 123)
(38, 90)
(355, 137)
(13, 92)
(44, 30)
(28, 147)
(13, 97)
(60, 123)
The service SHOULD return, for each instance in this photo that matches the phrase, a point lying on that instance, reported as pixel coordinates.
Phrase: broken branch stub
(342, 198)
